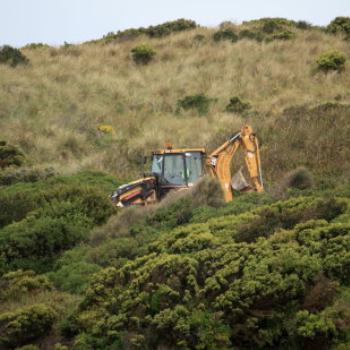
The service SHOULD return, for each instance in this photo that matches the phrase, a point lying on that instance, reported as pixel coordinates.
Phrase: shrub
(142, 54)
(237, 105)
(303, 25)
(34, 46)
(331, 61)
(339, 25)
(252, 35)
(283, 35)
(170, 27)
(24, 325)
(33, 242)
(299, 178)
(225, 34)
(199, 102)
(10, 155)
(74, 278)
(270, 26)
(18, 200)
(12, 56)
(157, 31)
(15, 283)
(11, 176)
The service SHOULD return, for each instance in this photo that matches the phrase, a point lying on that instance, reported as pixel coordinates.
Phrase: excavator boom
(220, 160)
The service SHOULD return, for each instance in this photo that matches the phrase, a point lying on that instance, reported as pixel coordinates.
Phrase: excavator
(179, 169)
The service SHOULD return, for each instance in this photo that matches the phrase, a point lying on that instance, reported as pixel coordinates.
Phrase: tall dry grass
(52, 107)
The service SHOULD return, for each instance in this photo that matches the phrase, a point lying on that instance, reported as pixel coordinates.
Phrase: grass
(53, 106)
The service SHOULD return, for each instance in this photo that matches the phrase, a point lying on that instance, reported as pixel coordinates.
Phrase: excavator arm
(219, 161)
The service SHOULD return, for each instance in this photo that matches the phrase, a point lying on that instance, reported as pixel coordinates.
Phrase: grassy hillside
(53, 107)
(266, 271)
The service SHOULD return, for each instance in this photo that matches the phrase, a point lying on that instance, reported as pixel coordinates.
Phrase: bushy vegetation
(142, 54)
(25, 325)
(157, 31)
(237, 105)
(13, 175)
(10, 155)
(331, 61)
(200, 103)
(340, 25)
(40, 220)
(194, 284)
(12, 56)
(225, 34)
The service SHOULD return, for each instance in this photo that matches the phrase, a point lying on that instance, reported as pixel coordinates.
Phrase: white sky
(56, 21)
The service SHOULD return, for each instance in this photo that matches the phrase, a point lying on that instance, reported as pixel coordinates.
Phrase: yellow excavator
(179, 169)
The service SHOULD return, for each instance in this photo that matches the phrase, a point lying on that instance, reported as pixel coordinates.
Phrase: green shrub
(199, 102)
(237, 105)
(225, 34)
(170, 27)
(34, 46)
(303, 25)
(11, 176)
(74, 278)
(142, 54)
(15, 283)
(10, 155)
(331, 61)
(24, 325)
(339, 25)
(299, 178)
(270, 26)
(157, 31)
(33, 242)
(12, 56)
(283, 35)
(18, 200)
(251, 35)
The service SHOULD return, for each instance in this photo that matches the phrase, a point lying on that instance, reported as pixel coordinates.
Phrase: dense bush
(90, 188)
(142, 54)
(16, 283)
(157, 31)
(339, 25)
(283, 35)
(42, 219)
(33, 242)
(199, 102)
(331, 61)
(24, 325)
(225, 34)
(252, 35)
(269, 29)
(12, 175)
(194, 284)
(12, 56)
(34, 46)
(237, 105)
(10, 155)
(299, 178)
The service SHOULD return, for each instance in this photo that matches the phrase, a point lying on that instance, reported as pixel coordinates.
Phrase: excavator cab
(177, 168)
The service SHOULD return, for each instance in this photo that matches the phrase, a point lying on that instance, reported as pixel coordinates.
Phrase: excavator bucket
(238, 181)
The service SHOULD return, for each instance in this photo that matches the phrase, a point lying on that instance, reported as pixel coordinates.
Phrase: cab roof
(179, 150)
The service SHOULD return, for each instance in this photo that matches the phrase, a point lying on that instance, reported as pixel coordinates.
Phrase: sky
(57, 21)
